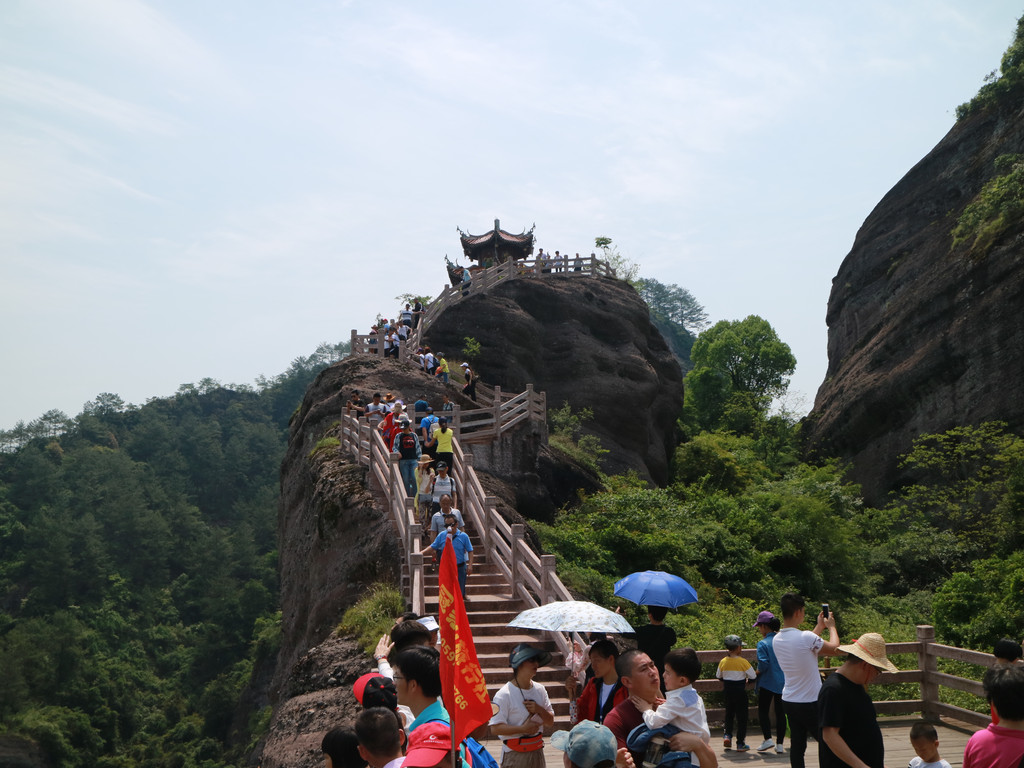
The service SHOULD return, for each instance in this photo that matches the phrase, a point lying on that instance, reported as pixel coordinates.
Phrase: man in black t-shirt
(656, 639)
(850, 735)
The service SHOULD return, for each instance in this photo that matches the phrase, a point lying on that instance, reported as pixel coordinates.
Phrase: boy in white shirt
(683, 706)
(925, 741)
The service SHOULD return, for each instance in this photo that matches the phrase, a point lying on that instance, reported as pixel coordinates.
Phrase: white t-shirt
(511, 703)
(918, 762)
(796, 651)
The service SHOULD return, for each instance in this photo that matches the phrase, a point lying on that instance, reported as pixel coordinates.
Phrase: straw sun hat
(870, 647)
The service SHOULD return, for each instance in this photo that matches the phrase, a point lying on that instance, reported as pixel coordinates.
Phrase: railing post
(465, 469)
(928, 665)
(415, 542)
(416, 579)
(394, 475)
(488, 503)
(409, 510)
(456, 419)
(352, 344)
(497, 411)
(518, 533)
(547, 575)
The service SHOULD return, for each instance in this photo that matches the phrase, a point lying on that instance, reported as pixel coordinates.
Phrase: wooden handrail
(533, 578)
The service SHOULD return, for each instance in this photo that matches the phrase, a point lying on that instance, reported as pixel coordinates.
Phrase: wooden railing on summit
(532, 576)
(528, 269)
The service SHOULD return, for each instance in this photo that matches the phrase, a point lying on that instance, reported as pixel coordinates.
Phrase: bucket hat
(525, 652)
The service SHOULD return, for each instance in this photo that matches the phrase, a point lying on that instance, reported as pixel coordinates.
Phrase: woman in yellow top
(444, 451)
(442, 367)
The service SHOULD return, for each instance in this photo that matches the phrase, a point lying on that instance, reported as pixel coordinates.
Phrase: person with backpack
(442, 438)
(443, 484)
(407, 446)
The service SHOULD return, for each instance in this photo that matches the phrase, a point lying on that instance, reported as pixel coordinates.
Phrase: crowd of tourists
(390, 336)
(558, 262)
(637, 706)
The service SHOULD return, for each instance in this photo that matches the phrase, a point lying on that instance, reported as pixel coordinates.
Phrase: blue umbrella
(655, 588)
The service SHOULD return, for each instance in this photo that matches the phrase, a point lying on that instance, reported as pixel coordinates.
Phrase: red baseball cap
(428, 745)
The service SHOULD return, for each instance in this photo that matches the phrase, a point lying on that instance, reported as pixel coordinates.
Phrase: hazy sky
(212, 188)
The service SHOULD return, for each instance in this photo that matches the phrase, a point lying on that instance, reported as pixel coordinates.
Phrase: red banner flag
(463, 688)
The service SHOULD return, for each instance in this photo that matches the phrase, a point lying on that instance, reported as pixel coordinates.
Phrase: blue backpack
(477, 756)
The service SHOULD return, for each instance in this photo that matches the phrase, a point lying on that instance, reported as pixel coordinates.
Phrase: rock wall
(585, 341)
(921, 337)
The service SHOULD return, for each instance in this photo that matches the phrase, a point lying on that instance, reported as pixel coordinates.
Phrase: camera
(824, 610)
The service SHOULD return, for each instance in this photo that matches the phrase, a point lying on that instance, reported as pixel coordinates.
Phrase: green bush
(325, 444)
(471, 348)
(373, 616)
(998, 207)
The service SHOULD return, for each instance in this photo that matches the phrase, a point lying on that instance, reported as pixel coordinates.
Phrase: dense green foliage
(744, 520)
(1004, 89)
(676, 313)
(566, 434)
(739, 367)
(138, 571)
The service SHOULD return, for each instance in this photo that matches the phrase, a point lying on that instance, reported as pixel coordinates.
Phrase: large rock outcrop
(593, 345)
(586, 341)
(923, 337)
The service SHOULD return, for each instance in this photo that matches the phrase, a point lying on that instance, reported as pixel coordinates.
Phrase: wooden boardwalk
(953, 737)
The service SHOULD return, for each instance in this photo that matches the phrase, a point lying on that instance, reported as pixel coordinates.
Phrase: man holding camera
(797, 652)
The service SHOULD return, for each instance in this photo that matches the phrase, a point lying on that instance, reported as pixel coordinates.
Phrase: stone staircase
(490, 608)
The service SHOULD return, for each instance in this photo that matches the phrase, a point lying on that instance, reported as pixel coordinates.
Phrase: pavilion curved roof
(472, 245)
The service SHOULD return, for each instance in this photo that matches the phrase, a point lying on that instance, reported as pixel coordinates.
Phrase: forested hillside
(745, 519)
(138, 574)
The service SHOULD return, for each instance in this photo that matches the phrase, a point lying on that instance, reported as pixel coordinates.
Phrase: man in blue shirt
(463, 549)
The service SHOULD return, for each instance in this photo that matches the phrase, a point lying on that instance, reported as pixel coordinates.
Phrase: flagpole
(464, 689)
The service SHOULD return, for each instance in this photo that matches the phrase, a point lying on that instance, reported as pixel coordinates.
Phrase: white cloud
(36, 89)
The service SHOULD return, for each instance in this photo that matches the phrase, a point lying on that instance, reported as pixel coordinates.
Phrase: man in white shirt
(797, 652)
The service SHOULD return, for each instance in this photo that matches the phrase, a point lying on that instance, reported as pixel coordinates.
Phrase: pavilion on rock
(497, 246)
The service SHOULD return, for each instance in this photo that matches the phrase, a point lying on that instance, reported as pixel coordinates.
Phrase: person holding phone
(797, 652)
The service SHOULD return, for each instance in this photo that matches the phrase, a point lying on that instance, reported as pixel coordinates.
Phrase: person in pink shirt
(1000, 746)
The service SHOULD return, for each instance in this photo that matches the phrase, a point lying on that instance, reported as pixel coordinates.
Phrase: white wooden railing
(532, 577)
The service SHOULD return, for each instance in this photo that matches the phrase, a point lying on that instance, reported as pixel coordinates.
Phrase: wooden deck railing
(926, 675)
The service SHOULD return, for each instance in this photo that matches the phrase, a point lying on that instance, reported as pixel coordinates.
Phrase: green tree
(673, 304)
(739, 367)
(977, 606)
(624, 267)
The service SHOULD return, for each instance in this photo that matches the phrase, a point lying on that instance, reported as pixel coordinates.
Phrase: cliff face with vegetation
(588, 342)
(924, 315)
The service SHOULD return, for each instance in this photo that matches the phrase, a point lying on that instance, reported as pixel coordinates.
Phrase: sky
(210, 189)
